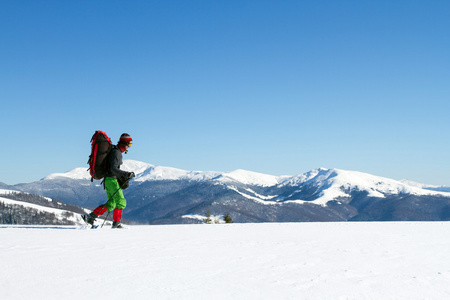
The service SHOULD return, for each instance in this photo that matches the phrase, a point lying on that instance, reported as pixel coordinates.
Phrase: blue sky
(277, 87)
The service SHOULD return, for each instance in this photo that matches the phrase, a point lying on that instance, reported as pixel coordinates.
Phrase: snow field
(409, 260)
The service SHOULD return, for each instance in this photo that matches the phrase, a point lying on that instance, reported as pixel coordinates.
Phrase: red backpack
(101, 146)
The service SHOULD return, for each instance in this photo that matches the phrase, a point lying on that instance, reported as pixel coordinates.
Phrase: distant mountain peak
(251, 178)
(332, 183)
(164, 194)
(77, 173)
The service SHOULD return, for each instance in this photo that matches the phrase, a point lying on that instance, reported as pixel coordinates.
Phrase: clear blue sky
(277, 87)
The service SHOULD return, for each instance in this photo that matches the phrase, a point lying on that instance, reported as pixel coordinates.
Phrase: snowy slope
(443, 188)
(77, 173)
(60, 216)
(335, 183)
(237, 261)
(250, 178)
(59, 213)
(8, 192)
(166, 173)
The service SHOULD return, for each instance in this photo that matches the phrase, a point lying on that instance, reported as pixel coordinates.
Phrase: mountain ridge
(145, 171)
(161, 195)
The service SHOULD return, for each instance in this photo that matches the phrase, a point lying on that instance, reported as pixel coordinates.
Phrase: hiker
(114, 182)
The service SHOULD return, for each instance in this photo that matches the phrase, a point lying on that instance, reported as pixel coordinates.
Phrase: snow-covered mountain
(168, 195)
(426, 186)
(333, 182)
(24, 208)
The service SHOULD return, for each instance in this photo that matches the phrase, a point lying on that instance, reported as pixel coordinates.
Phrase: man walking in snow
(115, 181)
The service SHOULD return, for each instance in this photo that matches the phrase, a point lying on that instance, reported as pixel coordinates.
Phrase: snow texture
(234, 261)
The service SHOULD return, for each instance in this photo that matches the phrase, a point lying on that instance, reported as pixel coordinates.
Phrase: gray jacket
(115, 160)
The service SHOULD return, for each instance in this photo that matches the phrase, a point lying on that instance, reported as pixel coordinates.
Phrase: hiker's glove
(123, 182)
(130, 175)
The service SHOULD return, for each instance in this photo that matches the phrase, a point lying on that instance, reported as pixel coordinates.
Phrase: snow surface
(167, 173)
(249, 177)
(408, 260)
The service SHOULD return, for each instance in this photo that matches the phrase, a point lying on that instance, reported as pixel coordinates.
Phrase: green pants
(118, 200)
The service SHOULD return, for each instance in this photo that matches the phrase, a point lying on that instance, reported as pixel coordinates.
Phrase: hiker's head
(125, 140)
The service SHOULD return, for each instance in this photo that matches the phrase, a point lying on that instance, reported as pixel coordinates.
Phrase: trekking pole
(105, 219)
